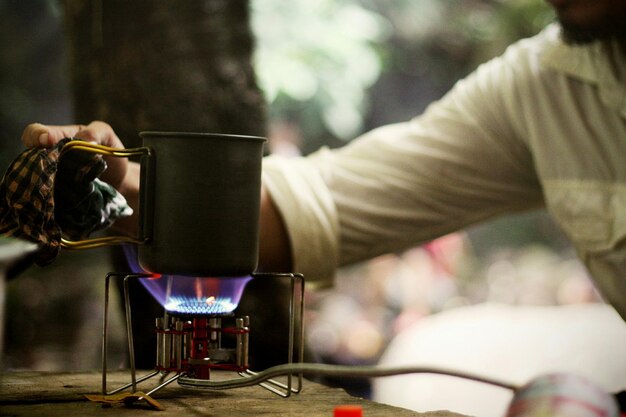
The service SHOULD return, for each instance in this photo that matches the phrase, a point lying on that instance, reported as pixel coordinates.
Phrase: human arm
(463, 161)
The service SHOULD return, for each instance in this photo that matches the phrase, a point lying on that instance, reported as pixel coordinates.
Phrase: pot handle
(108, 151)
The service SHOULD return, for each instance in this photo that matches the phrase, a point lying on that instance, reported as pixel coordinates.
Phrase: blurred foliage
(317, 61)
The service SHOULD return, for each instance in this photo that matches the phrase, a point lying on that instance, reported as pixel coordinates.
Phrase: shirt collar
(596, 63)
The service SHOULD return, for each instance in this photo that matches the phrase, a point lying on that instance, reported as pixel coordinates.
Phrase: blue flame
(191, 295)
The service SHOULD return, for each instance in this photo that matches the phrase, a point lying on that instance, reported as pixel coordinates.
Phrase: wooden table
(62, 394)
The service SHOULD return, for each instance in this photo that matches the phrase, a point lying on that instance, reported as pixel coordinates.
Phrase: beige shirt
(542, 125)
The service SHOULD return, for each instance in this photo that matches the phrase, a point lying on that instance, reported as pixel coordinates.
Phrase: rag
(44, 197)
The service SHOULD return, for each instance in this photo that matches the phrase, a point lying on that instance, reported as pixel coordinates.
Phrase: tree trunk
(164, 65)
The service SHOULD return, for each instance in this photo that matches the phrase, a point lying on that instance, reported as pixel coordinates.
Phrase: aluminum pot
(199, 202)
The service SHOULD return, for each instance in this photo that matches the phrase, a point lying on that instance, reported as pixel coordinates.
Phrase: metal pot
(200, 200)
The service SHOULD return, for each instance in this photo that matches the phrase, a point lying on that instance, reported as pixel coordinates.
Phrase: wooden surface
(62, 394)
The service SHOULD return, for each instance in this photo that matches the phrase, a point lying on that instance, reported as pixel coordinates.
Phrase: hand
(39, 135)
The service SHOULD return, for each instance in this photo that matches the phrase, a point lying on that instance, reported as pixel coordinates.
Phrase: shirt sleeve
(400, 185)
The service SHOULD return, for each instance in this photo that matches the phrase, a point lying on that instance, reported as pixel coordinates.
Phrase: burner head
(196, 295)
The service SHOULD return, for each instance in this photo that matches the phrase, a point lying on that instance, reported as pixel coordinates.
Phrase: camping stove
(193, 340)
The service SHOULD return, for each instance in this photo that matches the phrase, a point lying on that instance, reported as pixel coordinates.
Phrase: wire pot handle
(106, 151)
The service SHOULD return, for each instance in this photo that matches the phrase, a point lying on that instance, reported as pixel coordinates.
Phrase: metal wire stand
(182, 366)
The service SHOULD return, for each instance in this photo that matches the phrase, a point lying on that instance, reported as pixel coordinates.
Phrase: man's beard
(580, 36)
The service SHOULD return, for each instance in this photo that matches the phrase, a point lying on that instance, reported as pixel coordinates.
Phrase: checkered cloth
(43, 198)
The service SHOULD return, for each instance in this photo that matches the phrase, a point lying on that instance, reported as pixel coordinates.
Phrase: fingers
(40, 135)
(100, 133)
(37, 134)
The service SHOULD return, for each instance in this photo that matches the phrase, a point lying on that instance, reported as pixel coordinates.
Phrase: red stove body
(196, 345)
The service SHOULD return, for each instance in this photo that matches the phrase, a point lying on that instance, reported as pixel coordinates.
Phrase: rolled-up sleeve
(307, 208)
